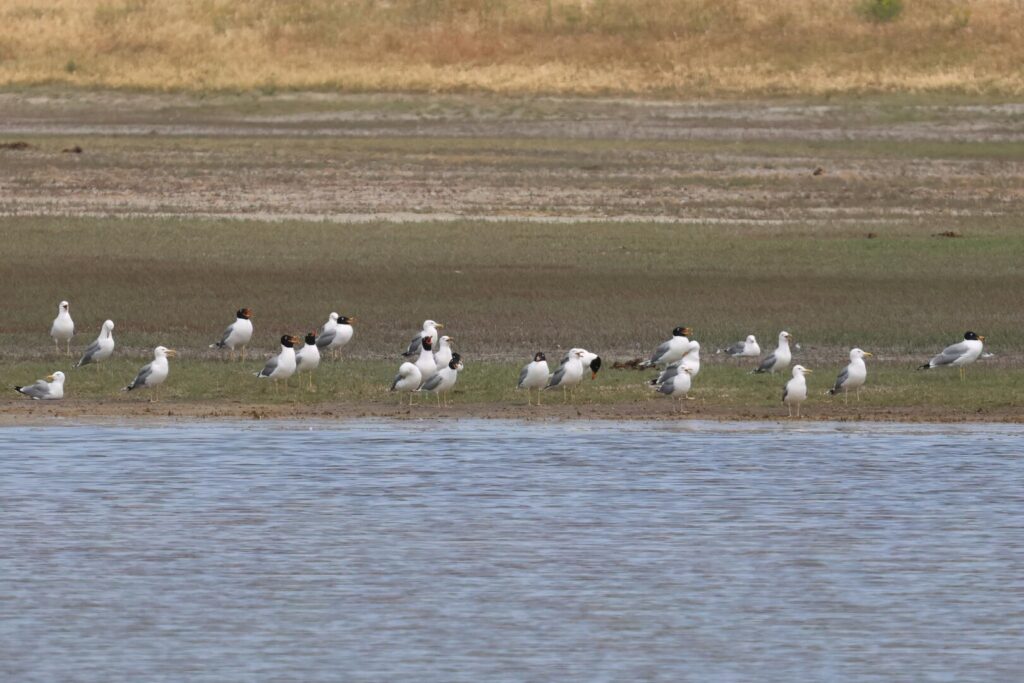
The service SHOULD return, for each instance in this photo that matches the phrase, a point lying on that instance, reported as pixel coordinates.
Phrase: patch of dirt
(36, 412)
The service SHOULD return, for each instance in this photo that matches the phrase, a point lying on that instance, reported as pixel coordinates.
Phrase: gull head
(751, 339)
(345, 320)
(64, 306)
(164, 352)
(971, 336)
(289, 341)
(57, 377)
(333, 316)
(428, 343)
(681, 331)
(539, 356)
(311, 338)
(856, 354)
(108, 325)
(800, 371)
(244, 313)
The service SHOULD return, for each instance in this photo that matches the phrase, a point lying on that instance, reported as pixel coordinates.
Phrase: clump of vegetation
(881, 11)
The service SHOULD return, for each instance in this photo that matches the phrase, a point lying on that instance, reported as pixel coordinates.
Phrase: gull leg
(69, 347)
(846, 396)
(963, 374)
(798, 410)
(56, 345)
(538, 395)
(790, 406)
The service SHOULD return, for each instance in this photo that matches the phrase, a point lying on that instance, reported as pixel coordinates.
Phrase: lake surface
(486, 551)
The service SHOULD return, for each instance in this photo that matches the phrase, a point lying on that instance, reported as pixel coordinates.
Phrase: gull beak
(593, 375)
(351, 320)
(981, 337)
(50, 378)
(439, 326)
(808, 371)
(869, 354)
(451, 338)
(171, 353)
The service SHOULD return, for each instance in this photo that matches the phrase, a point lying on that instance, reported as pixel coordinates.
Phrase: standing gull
(591, 361)
(853, 375)
(672, 350)
(49, 389)
(63, 327)
(281, 366)
(795, 392)
(690, 361)
(748, 348)
(153, 373)
(676, 387)
(443, 382)
(407, 380)
(426, 363)
(238, 334)
(443, 354)
(307, 359)
(534, 376)
(102, 348)
(958, 355)
(430, 329)
(335, 334)
(568, 375)
(780, 358)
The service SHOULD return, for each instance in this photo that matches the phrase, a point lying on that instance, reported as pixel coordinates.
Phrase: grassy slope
(569, 46)
(728, 389)
(513, 287)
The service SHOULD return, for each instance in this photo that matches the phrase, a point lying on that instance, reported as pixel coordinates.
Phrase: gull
(307, 359)
(795, 392)
(534, 375)
(958, 355)
(853, 375)
(426, 363)
(443, 382)
(102, 348)
(443, 355)
(407, 380)
(569, 374)
(336, 333)
(63, 327)
(49, 389)
(676, 387)
(281, 366)
(154, 372)
(690, 361)
(238, 334)
(672, 350)
(430, 329)
(591, 361)
(748, 348)
(778, 359)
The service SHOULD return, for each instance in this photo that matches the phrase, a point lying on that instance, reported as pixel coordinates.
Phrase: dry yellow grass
(678, 47)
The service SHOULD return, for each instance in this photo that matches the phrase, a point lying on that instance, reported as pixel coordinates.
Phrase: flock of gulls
(432, 365)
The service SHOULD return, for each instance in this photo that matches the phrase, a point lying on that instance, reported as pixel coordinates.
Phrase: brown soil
(25, 412)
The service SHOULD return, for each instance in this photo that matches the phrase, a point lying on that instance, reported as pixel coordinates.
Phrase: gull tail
(926, 366)
(218, 345)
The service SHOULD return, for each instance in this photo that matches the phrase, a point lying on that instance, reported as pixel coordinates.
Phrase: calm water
(502, 551)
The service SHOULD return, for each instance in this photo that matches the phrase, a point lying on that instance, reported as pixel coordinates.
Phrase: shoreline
(25, 413)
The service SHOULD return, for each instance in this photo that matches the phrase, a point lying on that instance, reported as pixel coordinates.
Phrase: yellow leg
(69, 347)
